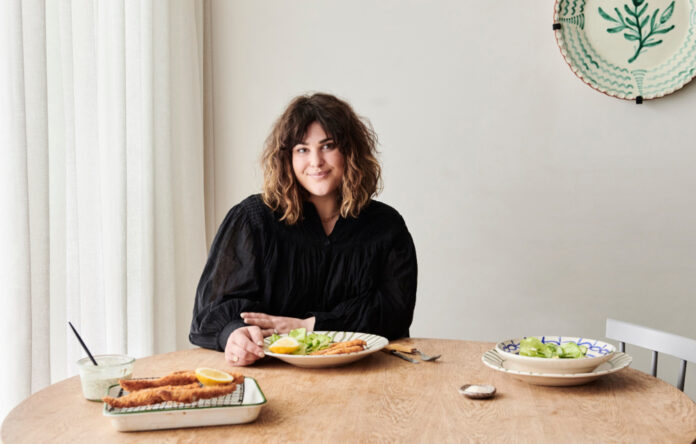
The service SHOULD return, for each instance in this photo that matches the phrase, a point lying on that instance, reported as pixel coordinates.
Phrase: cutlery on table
(410, 350)
(403, 356)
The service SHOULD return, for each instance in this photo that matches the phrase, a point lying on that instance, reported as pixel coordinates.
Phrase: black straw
(82, 343)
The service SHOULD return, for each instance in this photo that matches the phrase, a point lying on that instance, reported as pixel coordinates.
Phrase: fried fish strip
(193, 395)
(325, 351)
(352, 343)
(177, 378)
(345, 350)
(145, 396)
(340, 346)
(238, 378)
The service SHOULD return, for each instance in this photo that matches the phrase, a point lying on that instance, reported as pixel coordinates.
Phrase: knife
(401, 347)
(403, 356)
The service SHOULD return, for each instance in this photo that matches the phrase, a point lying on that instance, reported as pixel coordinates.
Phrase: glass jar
(96, 380)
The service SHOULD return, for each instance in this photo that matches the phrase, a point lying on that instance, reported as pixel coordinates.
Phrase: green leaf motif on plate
(635, 24)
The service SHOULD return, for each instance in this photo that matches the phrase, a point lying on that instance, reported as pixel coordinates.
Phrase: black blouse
(362, 277)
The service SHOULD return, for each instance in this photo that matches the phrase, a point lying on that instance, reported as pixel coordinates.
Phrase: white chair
(656, 341)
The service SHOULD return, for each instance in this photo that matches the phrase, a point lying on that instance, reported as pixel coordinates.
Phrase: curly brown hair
(354, 137)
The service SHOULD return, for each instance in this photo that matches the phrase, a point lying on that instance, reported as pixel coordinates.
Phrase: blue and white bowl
(597, 353)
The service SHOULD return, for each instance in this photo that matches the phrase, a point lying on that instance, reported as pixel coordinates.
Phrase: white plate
(597, 353)
(374, 344)
(241, 406)
(496, 361)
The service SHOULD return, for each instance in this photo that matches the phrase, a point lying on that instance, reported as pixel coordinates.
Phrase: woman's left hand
(276, 324)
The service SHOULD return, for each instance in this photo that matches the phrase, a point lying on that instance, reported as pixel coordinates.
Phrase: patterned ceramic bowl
(597, 353)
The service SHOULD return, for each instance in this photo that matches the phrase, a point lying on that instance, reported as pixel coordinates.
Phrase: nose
(316, 158)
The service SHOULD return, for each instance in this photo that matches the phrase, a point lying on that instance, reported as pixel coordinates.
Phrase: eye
(328, 146)
(300, 150)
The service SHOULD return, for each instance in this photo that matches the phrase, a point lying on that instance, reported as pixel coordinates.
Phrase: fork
(411, 350)
(425, 357)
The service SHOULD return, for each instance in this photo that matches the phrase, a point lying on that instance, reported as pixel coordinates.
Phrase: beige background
(537, 205)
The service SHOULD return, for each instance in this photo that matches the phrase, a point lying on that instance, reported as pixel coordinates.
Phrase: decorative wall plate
(629, 49)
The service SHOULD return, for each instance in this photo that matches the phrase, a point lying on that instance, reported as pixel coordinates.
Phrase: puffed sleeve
(229, 284)
(387, 308)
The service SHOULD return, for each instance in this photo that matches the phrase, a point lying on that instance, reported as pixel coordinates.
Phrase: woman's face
(318, 163)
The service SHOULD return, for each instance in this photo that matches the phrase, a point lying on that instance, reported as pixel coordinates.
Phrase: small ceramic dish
(474, 391)
(598, 352)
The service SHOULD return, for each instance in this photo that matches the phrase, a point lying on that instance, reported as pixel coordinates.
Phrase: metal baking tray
(241, 406)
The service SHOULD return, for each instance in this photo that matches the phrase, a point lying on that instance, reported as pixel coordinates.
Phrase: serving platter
(497, 361)
(630, 49)
(374, 344)
(241, 406)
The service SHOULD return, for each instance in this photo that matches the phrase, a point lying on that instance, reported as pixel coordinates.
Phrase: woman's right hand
(244, 346)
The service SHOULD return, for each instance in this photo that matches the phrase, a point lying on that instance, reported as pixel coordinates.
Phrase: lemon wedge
(211, 376)
(284, 345)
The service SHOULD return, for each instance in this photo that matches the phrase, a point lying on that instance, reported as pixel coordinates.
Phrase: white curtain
(101, 181)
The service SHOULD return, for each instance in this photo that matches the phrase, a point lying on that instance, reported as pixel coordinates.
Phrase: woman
(313, 250)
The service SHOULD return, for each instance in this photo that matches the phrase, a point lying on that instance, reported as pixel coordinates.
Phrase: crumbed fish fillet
(176, 378)
(193, 395)
(237, 378)
(146, 396)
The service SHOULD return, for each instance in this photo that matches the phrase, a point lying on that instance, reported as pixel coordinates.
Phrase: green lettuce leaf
(308, 342)
(299, 333)
(533, 347)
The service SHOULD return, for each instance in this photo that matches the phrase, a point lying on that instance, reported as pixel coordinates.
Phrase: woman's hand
(244, 346)
(276, 324)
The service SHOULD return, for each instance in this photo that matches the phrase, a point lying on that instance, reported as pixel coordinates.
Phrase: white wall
(537, 204)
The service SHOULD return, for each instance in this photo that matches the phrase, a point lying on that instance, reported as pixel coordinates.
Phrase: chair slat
(682, 376)
(674, 345)
(656, 341)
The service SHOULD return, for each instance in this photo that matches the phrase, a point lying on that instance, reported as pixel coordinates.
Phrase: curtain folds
(24, 221)
(102, 181)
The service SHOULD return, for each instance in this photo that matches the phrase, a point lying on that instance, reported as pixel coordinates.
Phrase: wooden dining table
(382, 398)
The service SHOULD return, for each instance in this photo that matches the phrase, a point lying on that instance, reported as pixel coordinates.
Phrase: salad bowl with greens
(554, 354)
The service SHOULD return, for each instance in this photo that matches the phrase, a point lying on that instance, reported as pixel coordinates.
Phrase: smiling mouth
(319, 174)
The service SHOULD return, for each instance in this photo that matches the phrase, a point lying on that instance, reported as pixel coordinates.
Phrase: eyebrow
(321, 141)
